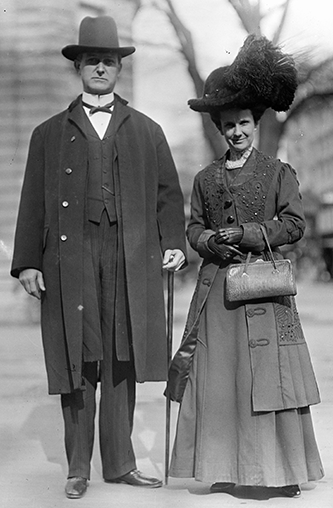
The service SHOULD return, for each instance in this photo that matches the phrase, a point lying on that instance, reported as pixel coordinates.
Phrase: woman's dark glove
(223, 251)
(229, 235)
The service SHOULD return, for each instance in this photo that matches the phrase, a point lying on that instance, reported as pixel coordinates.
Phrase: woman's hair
(257, 112)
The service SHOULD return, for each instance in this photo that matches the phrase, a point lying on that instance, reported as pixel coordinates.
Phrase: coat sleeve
(170, 201)
(198, 231)
(28, 243)
(288, 225)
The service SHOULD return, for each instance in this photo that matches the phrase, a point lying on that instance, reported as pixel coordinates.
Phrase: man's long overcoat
(49, 235)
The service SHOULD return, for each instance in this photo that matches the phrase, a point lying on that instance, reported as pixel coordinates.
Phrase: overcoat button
(65, 204)
(68, 171)
(230, 219)
(63, 238)
(206, 282)
(227, 204)
(252, 343)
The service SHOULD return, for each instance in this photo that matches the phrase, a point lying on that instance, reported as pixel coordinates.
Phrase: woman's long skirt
(219, 438)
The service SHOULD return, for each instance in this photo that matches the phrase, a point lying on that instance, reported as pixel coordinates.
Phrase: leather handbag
(261, 279)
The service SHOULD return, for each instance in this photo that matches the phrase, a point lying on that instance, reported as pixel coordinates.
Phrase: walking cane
(169, 352)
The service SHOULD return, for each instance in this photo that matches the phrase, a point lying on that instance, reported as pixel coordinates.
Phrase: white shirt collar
(97, 100)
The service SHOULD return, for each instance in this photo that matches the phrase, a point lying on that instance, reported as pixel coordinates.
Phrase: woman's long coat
(49, 235)
(266, 192)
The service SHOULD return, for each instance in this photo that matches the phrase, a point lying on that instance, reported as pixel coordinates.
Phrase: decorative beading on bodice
(245, 195)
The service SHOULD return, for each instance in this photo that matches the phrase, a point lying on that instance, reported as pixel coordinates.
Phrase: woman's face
(237, 126)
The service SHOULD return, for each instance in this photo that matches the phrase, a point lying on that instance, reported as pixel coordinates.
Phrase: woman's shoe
(222, 487)
(291, 490)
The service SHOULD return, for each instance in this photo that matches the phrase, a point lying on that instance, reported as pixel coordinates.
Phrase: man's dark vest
(100, 187)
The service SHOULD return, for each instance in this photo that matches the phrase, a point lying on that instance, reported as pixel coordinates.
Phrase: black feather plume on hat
(262, 68)
(261, 74)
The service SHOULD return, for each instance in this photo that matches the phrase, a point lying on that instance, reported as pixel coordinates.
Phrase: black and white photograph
(166, 253)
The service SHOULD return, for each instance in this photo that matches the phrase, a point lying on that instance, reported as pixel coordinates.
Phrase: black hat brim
(228, 100)
(72, 51)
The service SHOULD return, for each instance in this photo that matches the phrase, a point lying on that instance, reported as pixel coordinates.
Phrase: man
(101, 213)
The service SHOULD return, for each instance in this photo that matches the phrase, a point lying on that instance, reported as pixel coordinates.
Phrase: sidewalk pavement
(33, 464)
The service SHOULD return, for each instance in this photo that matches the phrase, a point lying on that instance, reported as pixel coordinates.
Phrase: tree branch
(184, 37)
(277, 34)
(249, 15)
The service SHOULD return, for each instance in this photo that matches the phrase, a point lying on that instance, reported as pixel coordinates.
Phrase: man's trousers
(117, 379)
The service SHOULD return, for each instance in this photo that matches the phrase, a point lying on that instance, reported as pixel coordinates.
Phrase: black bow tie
(107, 108)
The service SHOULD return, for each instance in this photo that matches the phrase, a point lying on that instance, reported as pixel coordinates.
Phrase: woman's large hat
(260, 76)
(97, 34)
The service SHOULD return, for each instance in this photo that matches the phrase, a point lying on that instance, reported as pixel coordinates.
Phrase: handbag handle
(263, 230)
(248, 257)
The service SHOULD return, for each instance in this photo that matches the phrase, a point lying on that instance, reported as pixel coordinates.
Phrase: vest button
(230, 219)
(63, 238)
(65, 204)
(68, 171)
(227, 204)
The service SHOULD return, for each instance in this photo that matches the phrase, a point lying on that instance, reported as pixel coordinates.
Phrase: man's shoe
(76, 487)
(137, 479)
(291, 490)
(222, 487)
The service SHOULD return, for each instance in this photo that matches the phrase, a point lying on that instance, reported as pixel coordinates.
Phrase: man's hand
(33, 282)
(173, 259)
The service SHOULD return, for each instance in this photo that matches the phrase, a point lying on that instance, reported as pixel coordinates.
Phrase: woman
(243, 373)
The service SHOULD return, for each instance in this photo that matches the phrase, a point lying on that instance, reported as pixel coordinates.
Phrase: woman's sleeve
(198, 231)
(288, 225)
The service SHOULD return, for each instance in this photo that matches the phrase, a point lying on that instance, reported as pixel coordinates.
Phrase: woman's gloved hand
(223, 251)
(229, 235)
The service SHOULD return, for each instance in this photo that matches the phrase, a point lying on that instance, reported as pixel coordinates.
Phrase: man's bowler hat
(97, 34)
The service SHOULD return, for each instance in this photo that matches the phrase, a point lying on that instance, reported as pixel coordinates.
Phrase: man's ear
(77, 65)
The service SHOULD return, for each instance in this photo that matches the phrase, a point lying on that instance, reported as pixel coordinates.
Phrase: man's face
(99, 72)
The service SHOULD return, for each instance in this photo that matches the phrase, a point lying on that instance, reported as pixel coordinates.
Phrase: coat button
(65, 204)
(63, 238)
(252, 343)
(230, 219)
(68, 171)
(227, 204)
(206, 282)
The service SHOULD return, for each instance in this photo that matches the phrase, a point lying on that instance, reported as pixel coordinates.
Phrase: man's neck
(97, 100)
